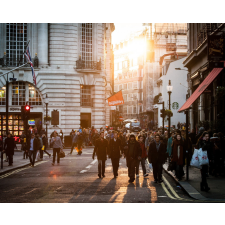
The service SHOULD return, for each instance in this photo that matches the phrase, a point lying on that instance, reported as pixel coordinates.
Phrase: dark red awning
(208, 80)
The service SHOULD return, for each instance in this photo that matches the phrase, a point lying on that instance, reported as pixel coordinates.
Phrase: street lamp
(46, 103)
(169, 90)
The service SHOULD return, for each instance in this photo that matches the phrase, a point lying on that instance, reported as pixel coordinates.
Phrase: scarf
(178, 152)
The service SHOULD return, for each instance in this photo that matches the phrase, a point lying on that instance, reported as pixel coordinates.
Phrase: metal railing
(14, 62)
(81, 64)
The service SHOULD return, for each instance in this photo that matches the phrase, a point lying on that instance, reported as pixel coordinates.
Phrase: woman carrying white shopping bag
(206, 146)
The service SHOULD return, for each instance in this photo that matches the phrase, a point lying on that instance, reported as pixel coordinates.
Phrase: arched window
(18, 93)
(34, 96)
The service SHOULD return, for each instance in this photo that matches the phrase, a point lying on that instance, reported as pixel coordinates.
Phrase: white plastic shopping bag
(195, 160)
(148, 166)
(38, 156)
(203, 157)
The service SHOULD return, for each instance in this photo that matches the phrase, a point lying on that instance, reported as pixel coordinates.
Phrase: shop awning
(208, 80)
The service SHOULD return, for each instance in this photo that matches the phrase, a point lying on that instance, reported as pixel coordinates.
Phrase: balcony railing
(14, 62)
(207, 29)
(81, 64)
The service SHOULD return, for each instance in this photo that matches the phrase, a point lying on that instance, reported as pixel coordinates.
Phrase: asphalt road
(76, 180)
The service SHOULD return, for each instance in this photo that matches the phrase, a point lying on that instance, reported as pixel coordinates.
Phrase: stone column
(43, 44)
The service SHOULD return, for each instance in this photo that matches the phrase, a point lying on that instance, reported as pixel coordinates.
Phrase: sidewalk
(18, 162)
(192, 186)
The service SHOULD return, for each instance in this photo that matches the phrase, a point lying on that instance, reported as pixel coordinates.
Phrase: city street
(75, 180)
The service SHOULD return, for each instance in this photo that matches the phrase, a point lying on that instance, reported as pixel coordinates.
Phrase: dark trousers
(25, 153)
(101, 167)
(143, 165)
(32, 155)
(157, 171)
(131, 164)
(179, 171)
(73, 146)
(204, 171)
(56, 150)
(10, 158)
(115, 165)
(137, 166)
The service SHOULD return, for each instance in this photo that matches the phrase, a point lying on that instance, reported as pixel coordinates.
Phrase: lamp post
(46, 103)
(169, 90)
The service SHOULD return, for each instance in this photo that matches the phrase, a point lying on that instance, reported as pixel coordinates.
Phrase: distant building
(73, 66)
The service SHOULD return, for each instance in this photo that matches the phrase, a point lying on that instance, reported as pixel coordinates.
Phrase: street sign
(175, 105)
(121, 118)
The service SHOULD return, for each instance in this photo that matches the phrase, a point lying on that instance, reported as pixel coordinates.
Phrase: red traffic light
(27, 107)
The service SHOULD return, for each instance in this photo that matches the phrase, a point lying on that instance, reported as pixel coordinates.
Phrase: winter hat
(201, 129)
(132, 135)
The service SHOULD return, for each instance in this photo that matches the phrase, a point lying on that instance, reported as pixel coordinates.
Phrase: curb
(14, 168)
(190, 190)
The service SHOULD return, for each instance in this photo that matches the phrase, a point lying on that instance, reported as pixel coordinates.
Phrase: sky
(123, 31)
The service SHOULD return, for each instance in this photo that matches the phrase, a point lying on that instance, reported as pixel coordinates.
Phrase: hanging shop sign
(175, 105)
(216, 45)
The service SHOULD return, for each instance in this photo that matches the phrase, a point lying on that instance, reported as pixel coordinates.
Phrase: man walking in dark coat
(100, 150)
(115, 152)
(133, 154)
(33, 145)
(157, 156)
(9, 148)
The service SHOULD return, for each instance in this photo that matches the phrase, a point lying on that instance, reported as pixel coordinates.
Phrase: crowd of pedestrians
(150, 146)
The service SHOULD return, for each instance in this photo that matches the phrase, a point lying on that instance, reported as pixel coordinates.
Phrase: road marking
(93, 162)
(88, 167)
(83, 171)
(30, 191)
(167, 192)
(173, 191)
(18, 170)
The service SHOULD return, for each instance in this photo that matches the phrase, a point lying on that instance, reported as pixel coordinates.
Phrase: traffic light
(162, 111)
(25, 112)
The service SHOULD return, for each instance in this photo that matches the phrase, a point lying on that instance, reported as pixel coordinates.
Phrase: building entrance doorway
(85, 120)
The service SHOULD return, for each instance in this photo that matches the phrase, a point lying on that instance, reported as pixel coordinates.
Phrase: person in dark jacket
(132, 153)
(206, 145)
(157, 156)
(115, 152)
(23, 145)
(178, 149)
(100, 150)
(33, 145)
(143, 155)
(9, 148)
(79, 143)
(45, 145)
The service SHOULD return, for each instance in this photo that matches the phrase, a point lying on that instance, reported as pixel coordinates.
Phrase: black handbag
(62, 154)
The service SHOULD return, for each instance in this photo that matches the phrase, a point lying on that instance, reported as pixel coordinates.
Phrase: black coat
(101, 149)
(206, 146)
(155, 156)
(115, 148)
(36, 144)
(9, 146)
(137, 150)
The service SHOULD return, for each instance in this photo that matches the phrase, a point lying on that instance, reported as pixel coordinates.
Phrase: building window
(2, 96)
(134, 109)
(18, 93)
(86, 43)
(16, 40)
(125, 98)
(129, 109)
(125, 86)
(34, 96)
(85, 95)
(120, 87)
(135, 85)
(125, 109)
(116, 88)
(130, 86)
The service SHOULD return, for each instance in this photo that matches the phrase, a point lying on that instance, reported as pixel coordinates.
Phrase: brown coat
(179, 160)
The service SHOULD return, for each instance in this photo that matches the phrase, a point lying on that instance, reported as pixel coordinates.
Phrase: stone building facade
(73, 68)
